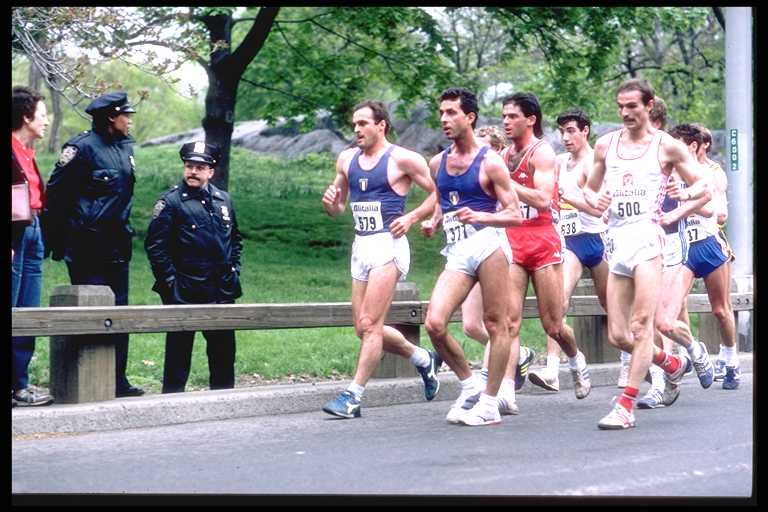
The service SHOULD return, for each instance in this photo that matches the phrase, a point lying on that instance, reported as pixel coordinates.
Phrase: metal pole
(739, 108)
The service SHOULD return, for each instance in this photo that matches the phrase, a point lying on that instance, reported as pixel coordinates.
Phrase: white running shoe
(457, 411)
(480, 415)
(543, 378)
(582, 385)
(618, 419)
(507, 406)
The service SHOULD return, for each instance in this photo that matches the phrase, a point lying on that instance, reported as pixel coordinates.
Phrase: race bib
(694, 231)
(569, 223)
(529, 212)
(455, 230)
(367, 216)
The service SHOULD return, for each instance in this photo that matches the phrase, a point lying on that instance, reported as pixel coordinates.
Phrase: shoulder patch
(158, 208)
(67, 154)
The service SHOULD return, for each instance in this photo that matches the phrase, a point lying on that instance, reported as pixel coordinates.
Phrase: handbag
(20, 209)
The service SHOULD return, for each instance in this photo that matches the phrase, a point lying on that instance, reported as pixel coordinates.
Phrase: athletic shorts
(631, 245)
(371, 251)
(466, 255)
(705, 256)
(588, 247)
(675, 246)
(535, 247)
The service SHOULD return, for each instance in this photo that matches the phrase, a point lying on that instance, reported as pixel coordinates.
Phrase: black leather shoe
(129, 391)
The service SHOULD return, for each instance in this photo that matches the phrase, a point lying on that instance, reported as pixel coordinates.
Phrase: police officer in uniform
(194, 246)
(90, 194)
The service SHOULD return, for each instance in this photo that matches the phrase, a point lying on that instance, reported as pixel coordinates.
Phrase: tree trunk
(54, 137)
(224, 73)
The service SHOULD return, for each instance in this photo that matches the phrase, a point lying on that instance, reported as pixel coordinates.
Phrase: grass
(293, 252)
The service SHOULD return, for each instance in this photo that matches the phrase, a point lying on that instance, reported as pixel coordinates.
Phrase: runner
(634, 163)
(580, 225)
(377, 176)
(470, 180)
(536, 245)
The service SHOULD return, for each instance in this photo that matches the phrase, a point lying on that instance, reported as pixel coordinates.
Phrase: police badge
(363, 184)
(453, 197)
(67, 154)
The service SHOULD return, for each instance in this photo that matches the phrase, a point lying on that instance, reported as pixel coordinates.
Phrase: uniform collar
(188, 192)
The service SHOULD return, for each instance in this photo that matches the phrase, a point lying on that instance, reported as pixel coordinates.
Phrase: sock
(484, 375)
(577, 362)
(694, 350)
(730, 356)
(553, 364)
(470, 385)
(627, 399)
(507, 389)
(626, 357)
(721, 354)
(420, 357)
(356, 389)
(668, 363)
(657, 377)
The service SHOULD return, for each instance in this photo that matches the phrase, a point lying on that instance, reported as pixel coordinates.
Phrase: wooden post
(82, 367)
(591, 332)
(393, 365)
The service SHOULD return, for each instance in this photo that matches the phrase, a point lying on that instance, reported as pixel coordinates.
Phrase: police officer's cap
(200, 152)
(111, 104)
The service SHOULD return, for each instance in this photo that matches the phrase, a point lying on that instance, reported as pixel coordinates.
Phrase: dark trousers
(178, 359)
(114, 275)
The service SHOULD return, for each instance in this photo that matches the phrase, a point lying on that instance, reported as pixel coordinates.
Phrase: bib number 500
(628, 209)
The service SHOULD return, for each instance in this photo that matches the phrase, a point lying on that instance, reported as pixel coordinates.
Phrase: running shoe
(457, 410)
(582, 385)
(732, 377)
(705, 371)
(719, 370)
(344, 406)
(670, 394)
(545, 379)
(618, 419)
(653, 399)
(623, 375)
(526, 358)
(29, 397)
(480, 415)
(429, 375)
(507, 406)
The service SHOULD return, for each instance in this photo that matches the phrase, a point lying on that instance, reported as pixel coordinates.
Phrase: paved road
(702, 446)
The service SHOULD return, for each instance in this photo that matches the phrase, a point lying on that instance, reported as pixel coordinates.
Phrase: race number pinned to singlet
(694, 230)
(456, 230)
(528, 211)
(569, 223)
(367, 216)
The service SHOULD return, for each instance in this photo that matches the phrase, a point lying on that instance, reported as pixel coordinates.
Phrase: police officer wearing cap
(194, 246)
(90, 194)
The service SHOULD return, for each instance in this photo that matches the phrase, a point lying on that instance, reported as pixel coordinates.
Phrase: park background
(315, 63)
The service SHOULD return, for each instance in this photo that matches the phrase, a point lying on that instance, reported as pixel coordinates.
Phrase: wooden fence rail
(82, 318)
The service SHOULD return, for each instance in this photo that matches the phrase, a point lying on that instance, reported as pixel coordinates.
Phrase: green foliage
(163, 111)
(331, 58)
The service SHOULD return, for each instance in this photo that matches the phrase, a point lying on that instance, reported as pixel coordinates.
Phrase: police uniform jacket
(194, 246)
(89, 199)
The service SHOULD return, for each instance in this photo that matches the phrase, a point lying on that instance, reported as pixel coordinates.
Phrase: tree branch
(254, 40)
(267, 87)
